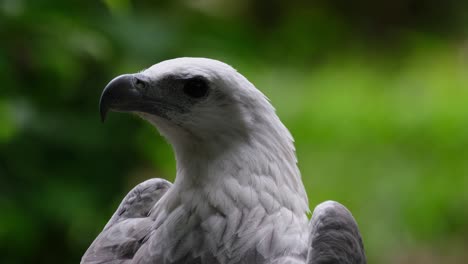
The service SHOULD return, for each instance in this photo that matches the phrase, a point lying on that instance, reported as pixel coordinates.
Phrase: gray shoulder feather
(127, 228)
(334, 236)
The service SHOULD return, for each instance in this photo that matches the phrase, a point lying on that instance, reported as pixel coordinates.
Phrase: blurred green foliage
(375, 93)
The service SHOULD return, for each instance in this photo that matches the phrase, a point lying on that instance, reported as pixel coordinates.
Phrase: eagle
(237, 198)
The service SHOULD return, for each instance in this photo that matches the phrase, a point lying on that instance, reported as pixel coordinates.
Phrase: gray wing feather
(334, 236)
(127, 228)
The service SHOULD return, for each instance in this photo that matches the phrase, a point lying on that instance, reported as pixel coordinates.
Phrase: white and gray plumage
(238, 195)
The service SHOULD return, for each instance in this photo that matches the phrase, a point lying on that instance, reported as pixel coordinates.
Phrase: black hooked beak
(123, 94)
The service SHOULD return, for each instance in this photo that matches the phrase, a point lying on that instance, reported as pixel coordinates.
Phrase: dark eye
(196, 87)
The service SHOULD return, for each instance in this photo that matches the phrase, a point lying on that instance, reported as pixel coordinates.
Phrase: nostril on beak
(140, 84)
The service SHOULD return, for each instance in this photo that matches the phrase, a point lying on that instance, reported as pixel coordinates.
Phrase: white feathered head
(193, 100)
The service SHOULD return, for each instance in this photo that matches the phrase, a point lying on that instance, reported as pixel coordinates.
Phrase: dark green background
(374, 92)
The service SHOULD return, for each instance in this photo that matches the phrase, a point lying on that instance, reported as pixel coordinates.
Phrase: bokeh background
(374, 92)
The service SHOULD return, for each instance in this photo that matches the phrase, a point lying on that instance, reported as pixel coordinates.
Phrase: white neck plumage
(260, 169)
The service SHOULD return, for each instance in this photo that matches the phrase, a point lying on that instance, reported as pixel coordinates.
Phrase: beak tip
(103, 116)
(117, 94)
(103, 109)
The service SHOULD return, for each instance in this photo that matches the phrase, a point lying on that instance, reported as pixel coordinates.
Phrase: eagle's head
(192, 101)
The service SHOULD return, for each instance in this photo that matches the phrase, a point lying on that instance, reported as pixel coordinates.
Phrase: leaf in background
(118, 6)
